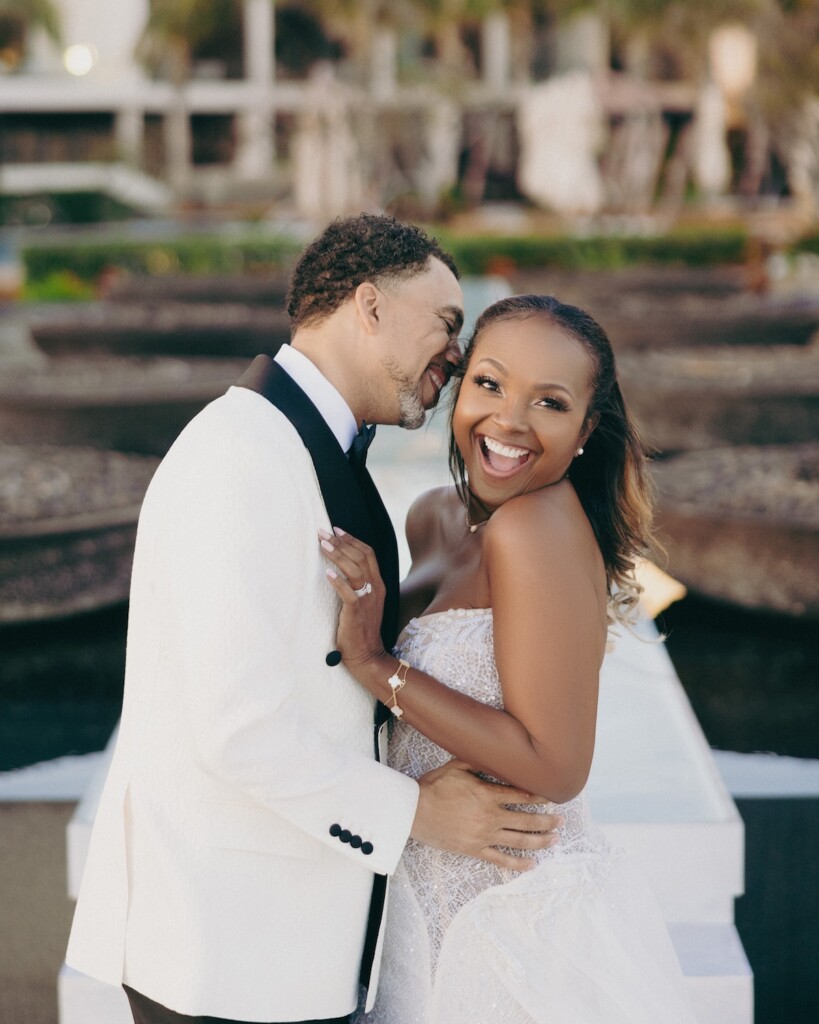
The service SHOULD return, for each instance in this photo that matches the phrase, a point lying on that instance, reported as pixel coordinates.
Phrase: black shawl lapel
(352, 502)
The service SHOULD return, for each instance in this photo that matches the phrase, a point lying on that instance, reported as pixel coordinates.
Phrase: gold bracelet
(396, 684)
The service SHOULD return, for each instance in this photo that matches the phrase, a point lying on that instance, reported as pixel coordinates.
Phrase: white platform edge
(718, 979)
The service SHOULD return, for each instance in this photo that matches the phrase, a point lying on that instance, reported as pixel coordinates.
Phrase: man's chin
(413, 414)
(414, 423)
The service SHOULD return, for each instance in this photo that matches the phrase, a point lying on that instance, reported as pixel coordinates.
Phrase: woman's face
(521, 411)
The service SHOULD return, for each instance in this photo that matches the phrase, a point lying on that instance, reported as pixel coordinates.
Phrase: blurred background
(655, 161)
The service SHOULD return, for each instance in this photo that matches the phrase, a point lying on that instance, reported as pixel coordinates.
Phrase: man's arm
(461, 813)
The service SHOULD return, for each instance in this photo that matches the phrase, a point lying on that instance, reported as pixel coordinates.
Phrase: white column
(711, 159)
(583, 43)
(259, 32)
(178, 144)
(255, 152)
(383, 63)
(129, 131)
(496, 50)
(439, 170)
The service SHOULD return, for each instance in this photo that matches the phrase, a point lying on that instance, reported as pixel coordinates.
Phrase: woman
(520, 570)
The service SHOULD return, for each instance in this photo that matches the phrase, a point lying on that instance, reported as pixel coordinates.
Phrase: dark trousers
(146, 1011)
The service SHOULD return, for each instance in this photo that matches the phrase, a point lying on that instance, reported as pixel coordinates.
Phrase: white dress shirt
(324, 396)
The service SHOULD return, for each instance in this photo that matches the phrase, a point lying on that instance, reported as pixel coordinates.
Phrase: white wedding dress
(577, 940)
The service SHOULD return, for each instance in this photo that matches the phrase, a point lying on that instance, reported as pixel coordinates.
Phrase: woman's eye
(553, 403)
(486, 382)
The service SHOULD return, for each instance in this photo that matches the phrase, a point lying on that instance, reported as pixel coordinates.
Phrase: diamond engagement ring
(366, 588)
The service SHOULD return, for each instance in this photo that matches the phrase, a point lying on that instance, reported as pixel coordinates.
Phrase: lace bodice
(456, 647)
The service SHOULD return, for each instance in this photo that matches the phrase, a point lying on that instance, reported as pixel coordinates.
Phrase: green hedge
(476, 254)
(88, 261)
(481, 254)
(810, 243)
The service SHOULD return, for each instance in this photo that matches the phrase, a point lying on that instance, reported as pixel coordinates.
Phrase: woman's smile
(501, 459)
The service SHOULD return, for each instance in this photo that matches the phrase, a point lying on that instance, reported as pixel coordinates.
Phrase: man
(238, 864)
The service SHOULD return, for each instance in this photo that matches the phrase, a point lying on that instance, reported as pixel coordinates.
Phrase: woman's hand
(356, 579)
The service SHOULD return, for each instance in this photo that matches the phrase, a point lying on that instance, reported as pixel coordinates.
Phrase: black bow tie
(361, 442)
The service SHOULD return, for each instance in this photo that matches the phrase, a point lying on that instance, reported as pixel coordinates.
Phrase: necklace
(473, 526)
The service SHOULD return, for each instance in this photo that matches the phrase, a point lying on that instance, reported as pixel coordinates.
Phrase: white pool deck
(655, 789)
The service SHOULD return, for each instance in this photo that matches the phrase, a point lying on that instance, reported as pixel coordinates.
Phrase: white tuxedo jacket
(244, 816)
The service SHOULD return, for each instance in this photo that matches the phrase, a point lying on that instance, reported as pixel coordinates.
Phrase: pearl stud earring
(579, 451)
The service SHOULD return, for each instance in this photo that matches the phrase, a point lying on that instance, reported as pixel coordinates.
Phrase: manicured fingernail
(332, 574)
(325, 534)
(339, 532)
(327, 545)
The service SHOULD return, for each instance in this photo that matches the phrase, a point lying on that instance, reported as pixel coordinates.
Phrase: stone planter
(161, 328)
(641, 323)
(268, 289)
(652, 308)
(67, 529)
(703, 398)
(742, 525)
(129, 404)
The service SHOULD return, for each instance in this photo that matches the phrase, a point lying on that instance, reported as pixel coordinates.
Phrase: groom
(238, 864)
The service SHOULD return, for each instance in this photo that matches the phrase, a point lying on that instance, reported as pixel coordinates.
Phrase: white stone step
(655, 789)
(717, 974)
(83, 1000)
(717, 971)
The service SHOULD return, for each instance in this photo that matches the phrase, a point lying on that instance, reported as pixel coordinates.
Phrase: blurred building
(332, 109)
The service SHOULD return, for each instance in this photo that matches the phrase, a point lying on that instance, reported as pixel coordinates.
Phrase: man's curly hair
(350, 251)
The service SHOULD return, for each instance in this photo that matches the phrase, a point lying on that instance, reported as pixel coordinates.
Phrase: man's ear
(367, 299)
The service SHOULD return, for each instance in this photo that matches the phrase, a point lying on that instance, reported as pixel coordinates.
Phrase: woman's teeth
(502, 457)
(505, 450)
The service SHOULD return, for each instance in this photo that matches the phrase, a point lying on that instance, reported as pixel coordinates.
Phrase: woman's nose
(511, 415)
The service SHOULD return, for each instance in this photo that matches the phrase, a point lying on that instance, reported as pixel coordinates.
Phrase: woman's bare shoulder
(549, 523)
(526, 515)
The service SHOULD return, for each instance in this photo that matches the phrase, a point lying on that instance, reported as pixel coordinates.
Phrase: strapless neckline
(451, 613)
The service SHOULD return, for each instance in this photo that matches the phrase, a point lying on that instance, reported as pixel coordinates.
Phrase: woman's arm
(549, 627)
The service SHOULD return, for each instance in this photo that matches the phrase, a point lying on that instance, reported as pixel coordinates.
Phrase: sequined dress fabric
(578, 939)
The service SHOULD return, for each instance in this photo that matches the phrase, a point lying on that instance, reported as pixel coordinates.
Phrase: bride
(518, 574)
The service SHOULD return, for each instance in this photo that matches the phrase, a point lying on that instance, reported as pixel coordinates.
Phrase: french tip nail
(338, 531)
(324, 534)
(333, 575)
(327, 545)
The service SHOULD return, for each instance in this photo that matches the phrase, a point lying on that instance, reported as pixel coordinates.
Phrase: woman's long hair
(611, 477)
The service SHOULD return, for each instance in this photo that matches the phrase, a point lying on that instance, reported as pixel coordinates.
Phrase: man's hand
(461, 813)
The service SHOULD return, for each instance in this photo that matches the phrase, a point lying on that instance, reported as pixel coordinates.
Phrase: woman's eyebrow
(546, 386)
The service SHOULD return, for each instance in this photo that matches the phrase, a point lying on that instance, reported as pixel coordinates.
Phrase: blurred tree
(302, 38)
(175, 28)
(783, 104)
(17, 18)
